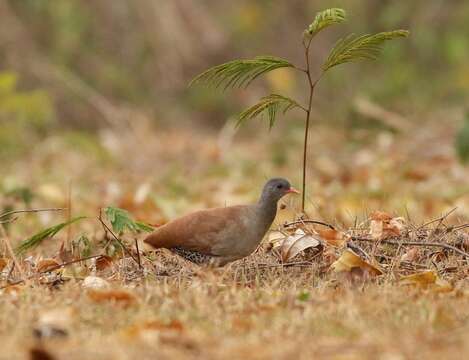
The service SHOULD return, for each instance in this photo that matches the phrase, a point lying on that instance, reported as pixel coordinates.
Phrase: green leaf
(269, 105)
(365, 47)
(239, 73)
(50, 232)
(462, 142)
(324, 19)
(121, 220)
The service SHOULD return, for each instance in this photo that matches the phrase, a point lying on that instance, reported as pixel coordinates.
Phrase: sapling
(241, 72)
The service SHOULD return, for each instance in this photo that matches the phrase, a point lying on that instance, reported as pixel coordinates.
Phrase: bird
(218, 236)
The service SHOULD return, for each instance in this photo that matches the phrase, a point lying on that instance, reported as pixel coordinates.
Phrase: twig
(59, 266)
(309, 222)
(415, 243)
(138, 255)
(11, 271)
(118, 240)
(460, 227)
(440, 219)
(29, 211)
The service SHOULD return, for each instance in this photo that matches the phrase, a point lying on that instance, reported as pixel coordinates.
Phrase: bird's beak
(293, 190)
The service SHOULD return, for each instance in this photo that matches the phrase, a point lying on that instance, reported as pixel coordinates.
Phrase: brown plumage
(222, 235)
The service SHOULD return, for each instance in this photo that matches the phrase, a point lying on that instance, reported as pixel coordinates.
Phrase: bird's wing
(201, 230)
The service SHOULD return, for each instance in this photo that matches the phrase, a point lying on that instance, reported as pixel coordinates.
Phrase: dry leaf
(122, 297)
(150, 331)
(296, 243)
(380, 216)
(275, 239)
(3, 263)
(45, 264)
(428, 279)
(332, 237)
(103, 262)
(384, 225)
(411, 255)
(95, 282)
(349, 261)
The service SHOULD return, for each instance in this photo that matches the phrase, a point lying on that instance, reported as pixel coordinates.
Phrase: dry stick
(309, 222)
(460, 227)
(59, 266)
(439, 220)
(30, 211)
(138, 255)
(11, 271)
(118, 240)
(52, 269)
(415, 243)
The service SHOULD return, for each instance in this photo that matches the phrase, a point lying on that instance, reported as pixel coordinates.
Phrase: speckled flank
(193, 256)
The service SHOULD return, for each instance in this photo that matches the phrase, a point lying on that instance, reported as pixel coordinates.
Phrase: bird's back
(213, 231)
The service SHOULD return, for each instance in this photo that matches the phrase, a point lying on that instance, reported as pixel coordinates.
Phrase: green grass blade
(50, 232)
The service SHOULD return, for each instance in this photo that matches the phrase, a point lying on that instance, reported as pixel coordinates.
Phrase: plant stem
(308, 115)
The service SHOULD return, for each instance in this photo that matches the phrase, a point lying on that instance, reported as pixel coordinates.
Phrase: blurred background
(94, 103)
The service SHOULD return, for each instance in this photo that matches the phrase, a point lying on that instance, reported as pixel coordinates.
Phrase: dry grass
(245, 310)
(266, 313)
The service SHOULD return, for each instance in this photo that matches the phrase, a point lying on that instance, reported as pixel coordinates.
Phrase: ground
(254, 308)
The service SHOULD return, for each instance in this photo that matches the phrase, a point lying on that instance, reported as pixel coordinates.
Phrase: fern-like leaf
(326, 18)
(239, 73)
(121, 220)
(50, 232)
(365, 47)
(269, 105)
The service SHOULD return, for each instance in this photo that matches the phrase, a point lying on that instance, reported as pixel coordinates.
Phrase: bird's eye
(279, 186)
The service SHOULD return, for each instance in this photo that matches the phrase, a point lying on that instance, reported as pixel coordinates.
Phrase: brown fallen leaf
(411, 255)
(151, 332)
(122, 297)
(349, 261)
(46, 264)
(380, 216)
(3, 263)
(332, 237)
(428, 279)
(103, 262)
(384, 225)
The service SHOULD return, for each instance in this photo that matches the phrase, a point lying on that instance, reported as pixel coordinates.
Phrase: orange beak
(293, 190)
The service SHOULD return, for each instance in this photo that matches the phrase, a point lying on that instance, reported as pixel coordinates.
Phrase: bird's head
(276, 188)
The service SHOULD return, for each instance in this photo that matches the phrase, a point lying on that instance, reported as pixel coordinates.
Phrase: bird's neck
(267, 210)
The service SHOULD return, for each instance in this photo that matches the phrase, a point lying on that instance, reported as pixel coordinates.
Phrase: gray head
(275, 189)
